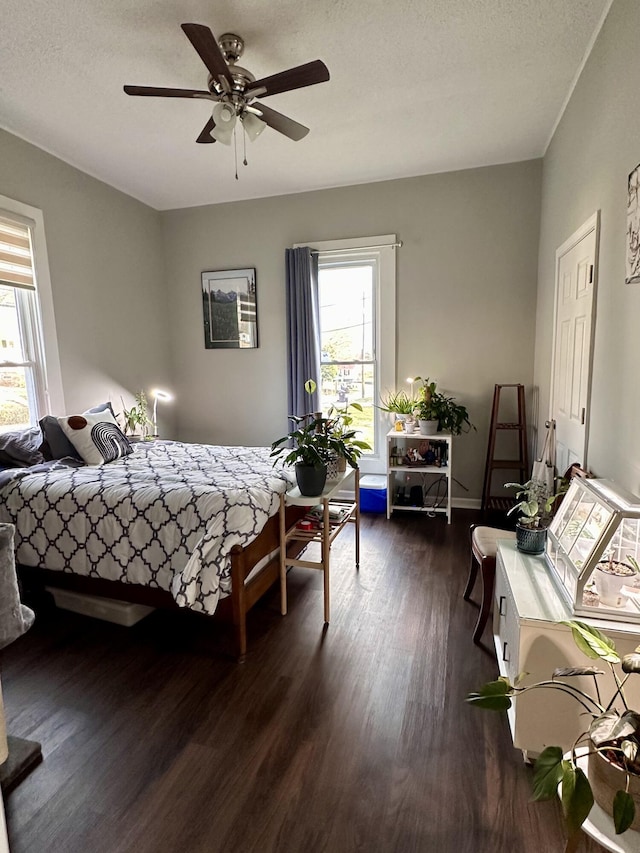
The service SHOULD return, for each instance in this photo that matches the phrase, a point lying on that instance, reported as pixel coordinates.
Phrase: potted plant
(340, 427)
(612, 737)
(136, 416)
(611, 575)
(426, 408)
(534, 507)
(452, 417)
(315, 441)
(398, 403)
(437, 411)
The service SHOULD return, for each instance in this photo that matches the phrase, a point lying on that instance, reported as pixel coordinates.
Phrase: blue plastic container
(373, 493)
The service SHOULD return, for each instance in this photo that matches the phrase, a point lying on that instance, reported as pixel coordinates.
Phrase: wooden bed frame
(231, 608)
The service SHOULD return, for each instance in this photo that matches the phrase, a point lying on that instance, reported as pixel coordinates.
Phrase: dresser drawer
(506, 628)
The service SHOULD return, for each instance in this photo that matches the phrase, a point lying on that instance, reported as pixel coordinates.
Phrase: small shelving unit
(430, 465)
(324, 532)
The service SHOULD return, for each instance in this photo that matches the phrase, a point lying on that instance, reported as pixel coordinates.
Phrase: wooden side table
(325, 534)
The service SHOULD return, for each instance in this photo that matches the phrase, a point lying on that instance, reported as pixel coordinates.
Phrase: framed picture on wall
(633, 228)
(229, 309)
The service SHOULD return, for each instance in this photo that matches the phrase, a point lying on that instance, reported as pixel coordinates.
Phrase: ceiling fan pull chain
(244, 146)
(235, 150)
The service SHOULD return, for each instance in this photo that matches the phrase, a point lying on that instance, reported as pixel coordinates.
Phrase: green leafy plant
(426, 407)
(137, 415)
(433, 405)
(398, 403)
(316, 439)
(533, 504)
(614, 730)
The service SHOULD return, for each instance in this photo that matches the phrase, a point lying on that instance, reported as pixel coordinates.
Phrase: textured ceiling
(417, 86)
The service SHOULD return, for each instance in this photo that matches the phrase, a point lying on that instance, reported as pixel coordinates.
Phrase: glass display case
(593, 550)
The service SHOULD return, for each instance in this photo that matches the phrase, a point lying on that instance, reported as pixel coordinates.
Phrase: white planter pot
(605, 779)
(428, 427)
(609, 586)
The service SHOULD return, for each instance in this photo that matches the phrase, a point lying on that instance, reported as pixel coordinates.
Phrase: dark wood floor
(357, 739)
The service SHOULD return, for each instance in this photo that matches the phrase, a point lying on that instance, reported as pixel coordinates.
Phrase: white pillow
(97, 437)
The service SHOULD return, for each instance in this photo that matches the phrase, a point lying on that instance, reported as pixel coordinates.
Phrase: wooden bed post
(238, 600)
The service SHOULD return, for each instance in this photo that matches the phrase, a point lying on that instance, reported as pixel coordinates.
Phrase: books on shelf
(314, 519)
(430, 452)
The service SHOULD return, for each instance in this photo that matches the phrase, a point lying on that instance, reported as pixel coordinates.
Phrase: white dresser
(527, 608)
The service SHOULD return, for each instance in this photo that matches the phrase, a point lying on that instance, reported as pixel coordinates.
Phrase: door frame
(592, 224)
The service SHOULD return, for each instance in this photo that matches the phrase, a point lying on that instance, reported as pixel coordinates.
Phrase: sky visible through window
(347, 342)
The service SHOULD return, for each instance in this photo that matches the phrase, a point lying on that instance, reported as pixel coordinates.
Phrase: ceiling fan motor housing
(232, 46)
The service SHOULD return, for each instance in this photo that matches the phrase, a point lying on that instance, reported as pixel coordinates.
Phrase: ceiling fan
(234, 89)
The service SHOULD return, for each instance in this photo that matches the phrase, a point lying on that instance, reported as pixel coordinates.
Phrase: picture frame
(229, 309)
(633, 228)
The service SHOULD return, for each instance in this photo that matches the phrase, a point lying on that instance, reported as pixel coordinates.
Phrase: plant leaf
(614, 726)
(547, 773)
(624, 811)
(631, 663)
(493, 696)
(577, 798)
(567, 671)
(593, 642)
(630, 749)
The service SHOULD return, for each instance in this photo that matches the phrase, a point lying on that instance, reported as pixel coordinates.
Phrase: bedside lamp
(157, 394)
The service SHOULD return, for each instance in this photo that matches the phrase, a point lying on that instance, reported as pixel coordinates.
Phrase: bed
(185, 524)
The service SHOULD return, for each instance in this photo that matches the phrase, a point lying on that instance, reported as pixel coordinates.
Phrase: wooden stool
(484, 544)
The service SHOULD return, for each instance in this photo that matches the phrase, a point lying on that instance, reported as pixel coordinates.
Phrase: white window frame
(38, 324)
(381, 250)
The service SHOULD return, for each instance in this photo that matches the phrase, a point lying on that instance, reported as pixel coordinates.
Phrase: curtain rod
(397, 245)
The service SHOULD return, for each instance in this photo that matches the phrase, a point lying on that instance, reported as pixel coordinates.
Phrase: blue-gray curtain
(303, 329)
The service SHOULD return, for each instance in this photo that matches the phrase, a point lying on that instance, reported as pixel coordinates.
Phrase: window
(25, 391)
(347, 354)
(356, 285)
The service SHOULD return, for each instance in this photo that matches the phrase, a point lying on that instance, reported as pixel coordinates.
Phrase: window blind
(16, 264)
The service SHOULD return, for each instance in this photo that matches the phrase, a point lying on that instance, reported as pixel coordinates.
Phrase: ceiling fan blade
(205, 133)
(283, 124)
(158, 92)
(294, 78)
(206, 45)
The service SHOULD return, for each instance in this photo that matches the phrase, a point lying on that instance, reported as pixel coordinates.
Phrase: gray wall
(466, 280)
(107, 275)
(586, 167)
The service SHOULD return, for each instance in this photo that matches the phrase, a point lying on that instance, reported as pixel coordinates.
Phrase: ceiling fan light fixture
(223, 135)
(253, 126)
(224, 116)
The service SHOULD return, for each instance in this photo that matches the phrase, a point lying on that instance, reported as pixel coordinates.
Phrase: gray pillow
(56, 445)
(21, 448)
(103, 407)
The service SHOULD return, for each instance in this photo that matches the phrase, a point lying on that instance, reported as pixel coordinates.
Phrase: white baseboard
(466, 503)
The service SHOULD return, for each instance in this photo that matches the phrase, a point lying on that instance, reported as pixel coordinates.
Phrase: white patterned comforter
(166, 516)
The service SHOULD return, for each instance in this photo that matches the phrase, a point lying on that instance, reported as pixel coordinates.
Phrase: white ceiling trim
(578, 73)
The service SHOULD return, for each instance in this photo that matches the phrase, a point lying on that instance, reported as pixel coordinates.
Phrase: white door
(576, 269)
